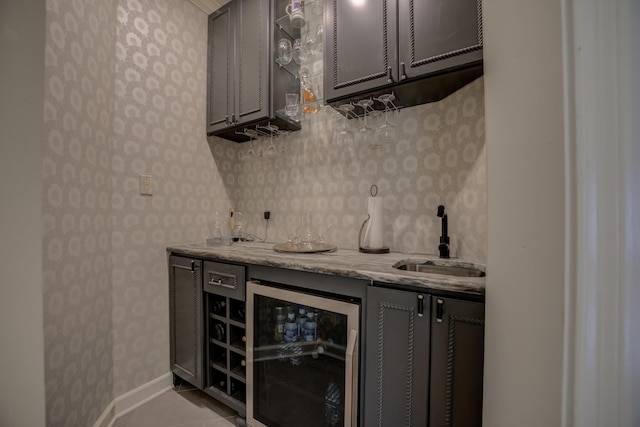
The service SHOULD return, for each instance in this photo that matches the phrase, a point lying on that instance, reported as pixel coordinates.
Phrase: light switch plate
(145, 185)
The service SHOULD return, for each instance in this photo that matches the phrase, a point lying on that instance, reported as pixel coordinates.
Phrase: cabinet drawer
(224, 279)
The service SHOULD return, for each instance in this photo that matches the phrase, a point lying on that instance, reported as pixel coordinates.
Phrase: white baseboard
(107, 418)
(129, 401)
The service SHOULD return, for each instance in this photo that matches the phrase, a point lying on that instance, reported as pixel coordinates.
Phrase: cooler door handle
(351, 379)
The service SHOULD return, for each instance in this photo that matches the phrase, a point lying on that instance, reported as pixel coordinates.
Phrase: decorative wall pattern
(126, 92)
(125, 96)
(159, 129)
(438, 157)
(76, 162)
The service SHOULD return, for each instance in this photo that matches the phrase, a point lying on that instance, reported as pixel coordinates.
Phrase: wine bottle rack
(225, 334)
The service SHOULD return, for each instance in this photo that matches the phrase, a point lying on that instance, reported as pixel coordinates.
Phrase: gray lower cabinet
(457, 359)
(185, 315)
(424, 360)
(397, 358)
(422, 50)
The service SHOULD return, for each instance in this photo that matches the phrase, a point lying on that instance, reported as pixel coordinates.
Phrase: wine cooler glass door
(302, 359)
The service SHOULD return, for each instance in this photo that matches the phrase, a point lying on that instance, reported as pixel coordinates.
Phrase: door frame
(602, 296)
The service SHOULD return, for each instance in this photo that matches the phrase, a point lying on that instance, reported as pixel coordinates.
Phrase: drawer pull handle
(439, 310)
(217, 278)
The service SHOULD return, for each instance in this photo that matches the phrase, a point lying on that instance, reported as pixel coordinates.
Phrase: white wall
(21, 328)
(524, 134)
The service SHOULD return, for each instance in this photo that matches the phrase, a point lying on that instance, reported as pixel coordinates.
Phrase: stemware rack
(369, 106)
(260, 131)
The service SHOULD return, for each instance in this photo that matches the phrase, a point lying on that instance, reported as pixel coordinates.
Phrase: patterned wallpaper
(159, 129)
(438, 157)
(78, 114)
(125, 88)
(125, 95)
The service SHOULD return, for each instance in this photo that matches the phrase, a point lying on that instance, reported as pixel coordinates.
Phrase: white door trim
(602, 115)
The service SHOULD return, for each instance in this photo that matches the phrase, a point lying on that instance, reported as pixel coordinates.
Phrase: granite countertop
(346, 263)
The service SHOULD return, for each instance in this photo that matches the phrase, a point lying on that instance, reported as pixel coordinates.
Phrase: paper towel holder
(366, 249)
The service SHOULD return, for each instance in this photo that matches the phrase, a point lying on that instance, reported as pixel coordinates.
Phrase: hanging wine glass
(365, 132)
(250, 153)
(386, 132)
(343, 136)
(270, 149)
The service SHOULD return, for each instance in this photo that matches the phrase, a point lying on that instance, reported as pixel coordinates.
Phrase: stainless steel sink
(432, 268)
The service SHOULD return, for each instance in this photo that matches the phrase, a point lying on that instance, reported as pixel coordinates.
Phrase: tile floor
(184, 406)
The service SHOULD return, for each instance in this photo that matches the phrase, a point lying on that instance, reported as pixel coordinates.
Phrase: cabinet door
(436, 35)
(360, 47)
(397, 358)
(221, 68)
(252, 56)
(457, 354)
(185, 314)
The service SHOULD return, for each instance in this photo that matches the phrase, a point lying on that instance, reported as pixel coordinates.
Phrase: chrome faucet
(443, 247)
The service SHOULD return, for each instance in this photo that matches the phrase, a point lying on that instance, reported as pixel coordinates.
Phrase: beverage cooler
(302, 358)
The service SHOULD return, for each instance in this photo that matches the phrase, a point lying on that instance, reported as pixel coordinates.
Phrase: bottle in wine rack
(219, 307)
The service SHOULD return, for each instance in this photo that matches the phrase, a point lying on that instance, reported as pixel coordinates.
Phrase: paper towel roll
(375, 231)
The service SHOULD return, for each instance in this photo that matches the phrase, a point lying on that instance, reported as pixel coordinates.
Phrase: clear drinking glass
(343, 136)
(285, 51)
(365, 131)
(317, 7)
(250, 153)
(299, 53)
(292, 106)
(386, 132)
(270, 149)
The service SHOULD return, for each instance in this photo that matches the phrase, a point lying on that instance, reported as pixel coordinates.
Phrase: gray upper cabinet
(238, 64)
(457, 349)
(422, 50)
(220, 105)
(244, 85)
(437, 35)
(360, 47)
